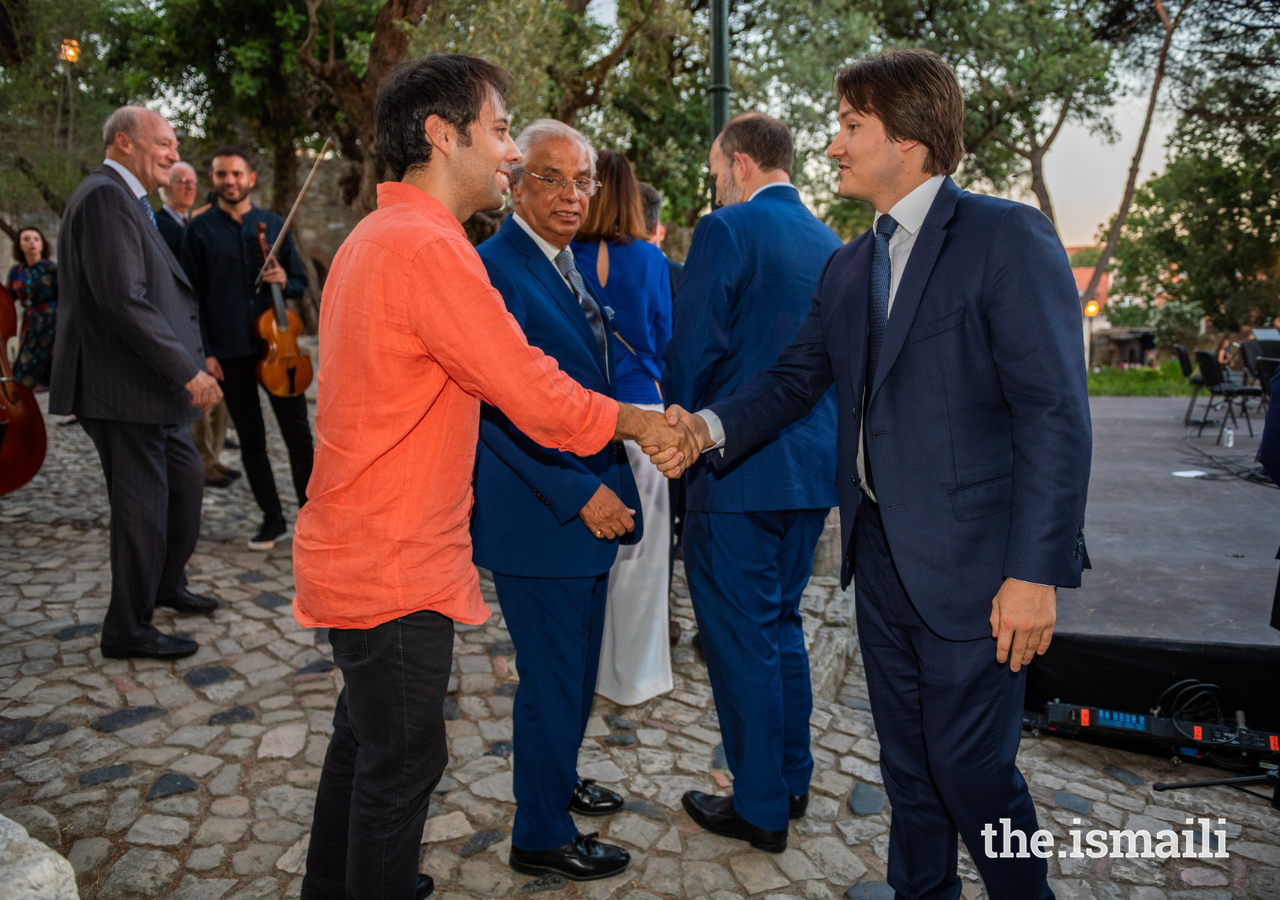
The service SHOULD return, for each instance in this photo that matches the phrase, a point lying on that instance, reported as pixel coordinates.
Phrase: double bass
(23, 441)
(284, 370)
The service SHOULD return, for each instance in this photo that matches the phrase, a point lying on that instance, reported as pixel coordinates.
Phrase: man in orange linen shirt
(414, 338)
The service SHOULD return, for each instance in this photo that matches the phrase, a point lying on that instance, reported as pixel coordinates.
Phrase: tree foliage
(1207, 231)
(1027, 68)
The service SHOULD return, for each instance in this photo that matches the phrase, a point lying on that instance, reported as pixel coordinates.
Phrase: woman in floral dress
(34, 285)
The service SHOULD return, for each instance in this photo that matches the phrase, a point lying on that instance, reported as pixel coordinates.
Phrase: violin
(284, 369)
(23, 441)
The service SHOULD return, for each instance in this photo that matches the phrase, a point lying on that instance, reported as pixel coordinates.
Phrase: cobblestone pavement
(196, 780)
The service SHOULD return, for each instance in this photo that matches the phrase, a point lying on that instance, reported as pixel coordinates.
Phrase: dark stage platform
(1183, 577)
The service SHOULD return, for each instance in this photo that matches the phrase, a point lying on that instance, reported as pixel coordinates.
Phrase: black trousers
(240, 387)
(155, 482)
(949, 719)
(386, 756)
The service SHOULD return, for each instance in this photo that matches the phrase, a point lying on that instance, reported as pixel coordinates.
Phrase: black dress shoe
(163, 646)
(423, 889)
(187, 602)
(717, 815)
(223, 481)
(589, 799)
(582, 859)
(799, 806)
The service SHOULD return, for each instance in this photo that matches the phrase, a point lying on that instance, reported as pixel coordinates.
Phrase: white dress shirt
(549, 249)
(181, 218)
(129, 178)
(909, 213)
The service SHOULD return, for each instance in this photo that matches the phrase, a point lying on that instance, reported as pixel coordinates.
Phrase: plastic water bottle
(1231, 437)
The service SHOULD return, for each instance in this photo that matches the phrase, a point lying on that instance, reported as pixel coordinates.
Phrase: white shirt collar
(548, 248)
(772, 184)
(911, 210)
(174, 214)
(129, 178)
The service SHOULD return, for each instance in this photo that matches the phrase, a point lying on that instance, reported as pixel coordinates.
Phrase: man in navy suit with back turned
(547, 523)
(951, 332)
(751, 527)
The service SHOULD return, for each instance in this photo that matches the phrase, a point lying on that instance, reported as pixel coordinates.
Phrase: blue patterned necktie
(147, 206)
(566, 266)
(881, 279)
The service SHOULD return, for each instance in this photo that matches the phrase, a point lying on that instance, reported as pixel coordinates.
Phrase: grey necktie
(565, 264)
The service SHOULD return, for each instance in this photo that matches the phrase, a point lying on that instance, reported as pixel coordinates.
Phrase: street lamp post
(719, 87)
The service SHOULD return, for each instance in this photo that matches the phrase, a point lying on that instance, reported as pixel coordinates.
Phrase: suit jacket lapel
(855, 307)
(919, 267)
(542, 269)
(154, 233)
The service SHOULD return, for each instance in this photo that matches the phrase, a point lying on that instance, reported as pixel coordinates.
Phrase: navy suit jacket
(747, 287)
(527, 496)
(1269, 457)
(977, 424)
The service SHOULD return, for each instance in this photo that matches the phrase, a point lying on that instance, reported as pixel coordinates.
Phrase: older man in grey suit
(128, 363)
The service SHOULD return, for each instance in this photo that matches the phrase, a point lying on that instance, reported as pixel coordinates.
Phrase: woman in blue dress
(631, 278)
(33, 282)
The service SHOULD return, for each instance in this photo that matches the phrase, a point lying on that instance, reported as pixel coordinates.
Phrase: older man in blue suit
(751, 527)
(951, 332)
(547, 523)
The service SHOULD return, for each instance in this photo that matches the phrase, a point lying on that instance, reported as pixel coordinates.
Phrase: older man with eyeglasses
(548, 523)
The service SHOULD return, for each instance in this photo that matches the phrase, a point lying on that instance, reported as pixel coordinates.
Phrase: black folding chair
(1249, 353)
(1211, 372)
(1184, 360)
(1267, 368)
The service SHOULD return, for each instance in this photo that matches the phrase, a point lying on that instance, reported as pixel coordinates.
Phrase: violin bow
(288, 222)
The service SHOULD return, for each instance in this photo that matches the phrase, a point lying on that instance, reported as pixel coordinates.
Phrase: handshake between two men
(672, 441)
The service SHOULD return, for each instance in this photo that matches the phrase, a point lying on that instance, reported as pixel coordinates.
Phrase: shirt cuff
(714, 428)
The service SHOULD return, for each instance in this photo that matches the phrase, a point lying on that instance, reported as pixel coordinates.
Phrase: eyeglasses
(554, 184)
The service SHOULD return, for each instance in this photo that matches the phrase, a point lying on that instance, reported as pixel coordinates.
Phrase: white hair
(540, 130)
(127, 119)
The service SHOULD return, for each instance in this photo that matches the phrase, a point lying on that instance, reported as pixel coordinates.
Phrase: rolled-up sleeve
(466, 328)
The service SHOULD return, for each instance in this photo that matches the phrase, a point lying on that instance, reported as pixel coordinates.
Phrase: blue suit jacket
(977, 425)
(747, 287)
(527, 496)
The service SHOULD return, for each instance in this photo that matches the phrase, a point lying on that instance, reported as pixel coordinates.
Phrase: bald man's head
(180, 192)
(143, 142)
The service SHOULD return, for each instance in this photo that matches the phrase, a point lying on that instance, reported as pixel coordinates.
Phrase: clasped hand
(671, 441)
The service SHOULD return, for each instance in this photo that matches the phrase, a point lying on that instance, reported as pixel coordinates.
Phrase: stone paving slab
(196, 780)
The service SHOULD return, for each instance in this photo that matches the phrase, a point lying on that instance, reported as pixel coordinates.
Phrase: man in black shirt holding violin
(221, 254)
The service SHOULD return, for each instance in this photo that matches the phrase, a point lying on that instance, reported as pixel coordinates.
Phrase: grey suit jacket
(128, 336)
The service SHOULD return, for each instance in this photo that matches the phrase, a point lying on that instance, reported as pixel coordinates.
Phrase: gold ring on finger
(599, 534)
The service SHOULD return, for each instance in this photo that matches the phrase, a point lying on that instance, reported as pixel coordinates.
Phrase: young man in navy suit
(751, 527)
(951, 332)
(547, 523)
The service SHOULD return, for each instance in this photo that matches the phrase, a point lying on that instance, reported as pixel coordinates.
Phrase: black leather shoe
(717, 815)
(224, 481)
(163, 646)
(424, 888)
(187, 602)
(582, 859)
(589, 799)
(799, 806)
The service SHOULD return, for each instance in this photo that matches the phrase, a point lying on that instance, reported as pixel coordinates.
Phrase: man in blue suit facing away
(546, 523)
(751, 526)
(951, 332)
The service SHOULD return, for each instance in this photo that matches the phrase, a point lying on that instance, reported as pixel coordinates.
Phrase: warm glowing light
(71, 50)
(1091, 308)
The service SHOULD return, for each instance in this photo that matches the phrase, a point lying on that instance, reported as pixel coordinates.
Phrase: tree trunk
(1131, 185)
(284, 178)
(1038, 186)
(56, 201)
(355, 96)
